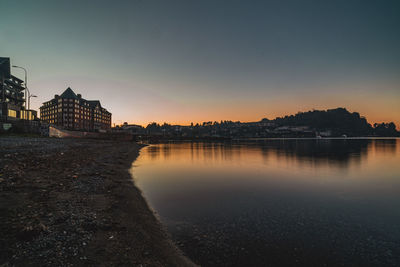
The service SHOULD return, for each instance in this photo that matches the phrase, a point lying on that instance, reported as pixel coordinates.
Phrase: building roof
(93, 103)
(68, 93)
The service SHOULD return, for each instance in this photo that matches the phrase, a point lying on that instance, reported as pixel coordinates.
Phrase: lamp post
(27, 97)
(29, 103)
(31, 96)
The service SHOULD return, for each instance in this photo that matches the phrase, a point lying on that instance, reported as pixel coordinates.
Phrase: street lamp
(29, 101)
(27, 97)
(31, 96)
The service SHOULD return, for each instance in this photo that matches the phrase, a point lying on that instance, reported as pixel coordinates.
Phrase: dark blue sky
(182, 61)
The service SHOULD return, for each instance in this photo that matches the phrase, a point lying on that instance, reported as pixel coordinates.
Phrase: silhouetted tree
(338, 120)
(385, 129)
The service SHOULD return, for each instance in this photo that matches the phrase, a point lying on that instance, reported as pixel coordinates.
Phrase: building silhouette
(72, 112)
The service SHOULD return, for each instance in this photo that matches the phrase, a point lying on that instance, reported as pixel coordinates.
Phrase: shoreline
(161, 141)
(63, 203)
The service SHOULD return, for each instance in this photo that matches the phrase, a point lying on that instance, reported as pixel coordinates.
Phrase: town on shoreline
(330, 123)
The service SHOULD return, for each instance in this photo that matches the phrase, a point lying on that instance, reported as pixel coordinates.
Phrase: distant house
(326, 133)
(132, 128)
(71, 111)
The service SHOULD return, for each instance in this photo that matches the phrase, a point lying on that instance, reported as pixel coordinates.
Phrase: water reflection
(384, 146)
(320, 152)
(281, 202)
(331, 152)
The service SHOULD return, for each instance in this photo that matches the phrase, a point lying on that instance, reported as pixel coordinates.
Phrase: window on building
(12, 113)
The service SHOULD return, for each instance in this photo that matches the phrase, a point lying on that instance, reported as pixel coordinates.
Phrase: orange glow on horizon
(376, 108)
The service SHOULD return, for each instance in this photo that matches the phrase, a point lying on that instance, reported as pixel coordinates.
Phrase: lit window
(12, 113)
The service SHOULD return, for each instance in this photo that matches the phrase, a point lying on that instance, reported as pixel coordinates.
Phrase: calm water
(278, 202)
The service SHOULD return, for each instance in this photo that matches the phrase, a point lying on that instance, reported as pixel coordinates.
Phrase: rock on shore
(67, 202)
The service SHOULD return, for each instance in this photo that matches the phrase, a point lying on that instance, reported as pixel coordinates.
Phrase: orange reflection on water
(308, 154)
(290, 159)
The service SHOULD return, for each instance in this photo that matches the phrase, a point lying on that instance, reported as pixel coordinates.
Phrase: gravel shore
(68, 202)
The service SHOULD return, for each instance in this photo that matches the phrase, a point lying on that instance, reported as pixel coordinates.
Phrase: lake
(325, 202)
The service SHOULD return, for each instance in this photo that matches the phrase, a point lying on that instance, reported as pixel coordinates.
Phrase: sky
(192, 61)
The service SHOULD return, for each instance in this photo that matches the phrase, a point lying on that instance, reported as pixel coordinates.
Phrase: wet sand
(66, 202)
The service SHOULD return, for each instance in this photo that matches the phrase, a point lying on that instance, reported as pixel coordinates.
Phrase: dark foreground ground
(72, 203)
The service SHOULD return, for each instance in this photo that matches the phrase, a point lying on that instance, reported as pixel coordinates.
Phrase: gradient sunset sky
(193, 61)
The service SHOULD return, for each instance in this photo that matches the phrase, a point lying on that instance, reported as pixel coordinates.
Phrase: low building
(72, 112)
(131, 128)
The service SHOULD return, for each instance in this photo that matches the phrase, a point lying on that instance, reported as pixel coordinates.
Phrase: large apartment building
(72, 112)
